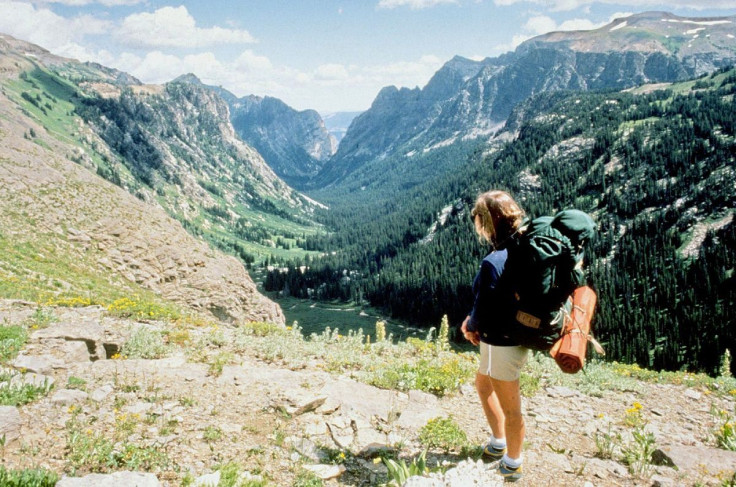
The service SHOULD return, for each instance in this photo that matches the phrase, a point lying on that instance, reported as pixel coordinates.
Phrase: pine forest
(656, 170)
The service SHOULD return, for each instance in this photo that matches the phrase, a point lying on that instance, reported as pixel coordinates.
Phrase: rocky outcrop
(279, 420)
(163, 257)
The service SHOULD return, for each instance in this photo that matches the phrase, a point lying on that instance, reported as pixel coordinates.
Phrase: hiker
(497, 217)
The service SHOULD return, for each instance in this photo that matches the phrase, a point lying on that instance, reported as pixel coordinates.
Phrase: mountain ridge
(295, 144)
(454, 105)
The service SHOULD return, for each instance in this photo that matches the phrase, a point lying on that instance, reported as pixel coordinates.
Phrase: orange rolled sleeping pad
(570, 349)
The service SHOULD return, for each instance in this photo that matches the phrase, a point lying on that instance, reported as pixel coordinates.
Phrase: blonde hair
(499, 216)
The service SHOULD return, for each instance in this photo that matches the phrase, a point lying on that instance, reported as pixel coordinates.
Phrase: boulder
(326, 472)
(39, 364)
(90, 334)
(117, 479)
(10, 423)
(696, 458)
(68, 397)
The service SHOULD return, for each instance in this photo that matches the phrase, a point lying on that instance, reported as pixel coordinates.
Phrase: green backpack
(543, 268)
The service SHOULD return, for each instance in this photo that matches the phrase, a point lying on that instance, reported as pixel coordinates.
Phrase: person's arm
(471, 336)
(484, 287)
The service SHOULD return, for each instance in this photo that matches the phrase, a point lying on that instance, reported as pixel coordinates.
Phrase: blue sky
(329, 55)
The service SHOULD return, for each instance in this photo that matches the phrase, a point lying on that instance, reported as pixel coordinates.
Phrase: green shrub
(12, 339)
(725, 435)
(399, 471)
(41, 318)
(443, 433)
(75, 383)
(145, 343)
(262, 328)
(439, 376)
(18, 394)
(305, 478)
(88, 450)
(143, 310)
(30, 477)
(637, 454)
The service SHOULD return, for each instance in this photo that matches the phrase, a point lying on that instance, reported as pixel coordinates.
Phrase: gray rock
(326, 472)
(307, 449)
(368, 441)
(560, 391)
(308, 406)
(467, 473)
(10, 423)
(40, 364)
(75, 351)
(362, 399)
(139, 407)
(117, 479)
(661, 481)
(91, 335)
(696, 458)
(99, 394)
(68, 397)
(693, 394)
(420, 409)
(208, 480)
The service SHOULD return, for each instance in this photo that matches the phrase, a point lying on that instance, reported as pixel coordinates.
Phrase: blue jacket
(487, 316)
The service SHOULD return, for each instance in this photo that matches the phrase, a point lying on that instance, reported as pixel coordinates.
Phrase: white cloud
(175, 27)
(539, 24)
(413, 4)
(406, 73)
(250, 62)
(350, 87)
(106, 3)
(567, 5)
(580, 24)
(331, 72)
(157, 67)
(43, 27)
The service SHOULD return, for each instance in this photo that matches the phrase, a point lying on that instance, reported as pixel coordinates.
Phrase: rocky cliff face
(470, 99)
(295, 144)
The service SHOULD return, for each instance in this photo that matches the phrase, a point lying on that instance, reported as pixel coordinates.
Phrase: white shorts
(502, 363)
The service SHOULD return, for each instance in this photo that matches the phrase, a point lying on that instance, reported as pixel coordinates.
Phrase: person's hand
(471, 336)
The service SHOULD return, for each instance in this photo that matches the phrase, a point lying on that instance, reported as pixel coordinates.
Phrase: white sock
(512, 462)
(498, 443)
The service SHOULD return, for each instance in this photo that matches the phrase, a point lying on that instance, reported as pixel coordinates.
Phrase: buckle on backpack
(528, 320)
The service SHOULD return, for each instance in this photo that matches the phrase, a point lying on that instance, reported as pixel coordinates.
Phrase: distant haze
(337, 123)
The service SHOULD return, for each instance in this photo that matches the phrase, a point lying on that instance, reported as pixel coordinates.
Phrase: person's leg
(491, 406)
(488, 399)
(509, 399)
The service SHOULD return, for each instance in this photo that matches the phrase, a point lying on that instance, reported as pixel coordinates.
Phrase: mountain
(472, 99)
(294, 143)
(337, 123)
(173, 145)
(109, 180)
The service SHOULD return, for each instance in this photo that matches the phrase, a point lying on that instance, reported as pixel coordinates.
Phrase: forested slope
(656, 169)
